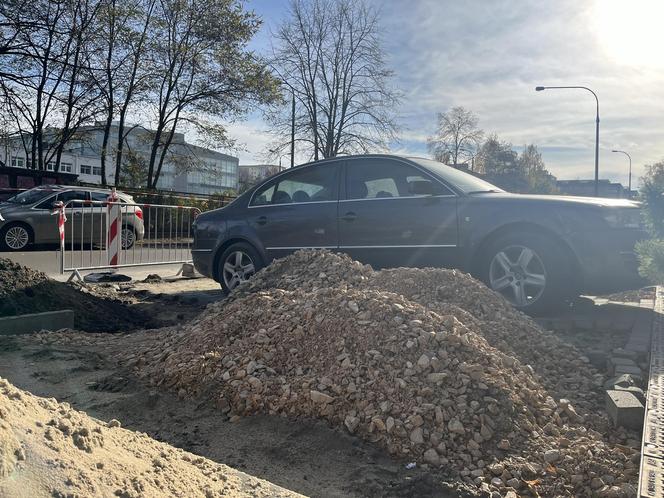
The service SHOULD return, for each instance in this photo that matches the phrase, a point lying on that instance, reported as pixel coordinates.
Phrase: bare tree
(43, 78)
(202, 70)
(120, 69)
(329, 55)
(457, 137)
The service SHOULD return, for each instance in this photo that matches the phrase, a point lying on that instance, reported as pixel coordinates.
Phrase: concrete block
(636, 391)
(28, 324)
(625, 409)
(616, 361)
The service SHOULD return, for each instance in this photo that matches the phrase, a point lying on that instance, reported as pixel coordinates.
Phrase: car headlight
(624, 218)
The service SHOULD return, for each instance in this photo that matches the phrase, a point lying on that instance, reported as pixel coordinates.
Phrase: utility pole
(292, 143)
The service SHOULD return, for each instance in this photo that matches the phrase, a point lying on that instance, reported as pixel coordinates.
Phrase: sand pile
(436, 373)
(47, 449)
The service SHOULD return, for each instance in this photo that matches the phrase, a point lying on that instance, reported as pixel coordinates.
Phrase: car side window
(47, 203)
(312, 184)
(72, 195)
(384, 179)
(264, 195)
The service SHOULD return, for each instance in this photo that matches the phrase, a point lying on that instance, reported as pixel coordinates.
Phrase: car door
(385, 219)
(297, 209)
(44, 223)
(75, 226)
(96, 228)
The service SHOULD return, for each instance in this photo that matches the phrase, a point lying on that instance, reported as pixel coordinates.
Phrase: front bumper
(608, 262)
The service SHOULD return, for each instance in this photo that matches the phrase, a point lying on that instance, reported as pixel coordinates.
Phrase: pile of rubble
(428, 364)
(47, 449)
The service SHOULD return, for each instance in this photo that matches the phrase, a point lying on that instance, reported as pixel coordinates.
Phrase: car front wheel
(237, 264)
(14, 238)
(528, 270)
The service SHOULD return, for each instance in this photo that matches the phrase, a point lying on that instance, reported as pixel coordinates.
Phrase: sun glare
(631, 31)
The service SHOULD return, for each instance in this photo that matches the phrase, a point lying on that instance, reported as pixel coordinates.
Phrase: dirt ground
(305, 456)
(301, 455)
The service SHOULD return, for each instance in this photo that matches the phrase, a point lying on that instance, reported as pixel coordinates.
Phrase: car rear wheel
(14, 238)
(127, 237)
(529, 270)
(237, 264)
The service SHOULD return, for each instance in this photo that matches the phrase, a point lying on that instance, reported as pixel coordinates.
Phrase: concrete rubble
(428, 364)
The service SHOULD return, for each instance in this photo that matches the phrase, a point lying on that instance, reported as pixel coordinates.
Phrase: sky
(489, 55)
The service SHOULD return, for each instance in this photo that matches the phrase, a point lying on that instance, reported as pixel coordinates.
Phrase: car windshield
(465, 182)
(30, 196)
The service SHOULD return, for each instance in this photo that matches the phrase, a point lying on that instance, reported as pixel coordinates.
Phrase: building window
(96, 170)
(86, 169)
(50, 166)
(18, 162)
(66, 167)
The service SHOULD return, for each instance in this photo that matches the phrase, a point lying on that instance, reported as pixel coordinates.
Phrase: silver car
(27, 218)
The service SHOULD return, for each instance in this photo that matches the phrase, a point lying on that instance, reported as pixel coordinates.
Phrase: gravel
(428, 364)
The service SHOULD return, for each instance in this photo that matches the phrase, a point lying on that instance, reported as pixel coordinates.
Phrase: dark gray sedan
(26, 217)
(392, 211)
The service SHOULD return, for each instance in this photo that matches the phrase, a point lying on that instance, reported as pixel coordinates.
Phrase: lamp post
(540, 88)
(629, 187)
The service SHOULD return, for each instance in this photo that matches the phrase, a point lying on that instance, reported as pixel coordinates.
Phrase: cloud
(488, 56)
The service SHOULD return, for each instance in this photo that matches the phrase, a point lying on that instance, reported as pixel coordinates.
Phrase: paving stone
(624, 409)
(636, 391)
(615, 362)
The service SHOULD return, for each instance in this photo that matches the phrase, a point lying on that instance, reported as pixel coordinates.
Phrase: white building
(251, 174)
(187, 167)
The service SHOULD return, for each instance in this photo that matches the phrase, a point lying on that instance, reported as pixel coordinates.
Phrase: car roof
(90, 189)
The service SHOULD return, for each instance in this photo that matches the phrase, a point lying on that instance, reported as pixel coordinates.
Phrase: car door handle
(349, 216)
(262, 220)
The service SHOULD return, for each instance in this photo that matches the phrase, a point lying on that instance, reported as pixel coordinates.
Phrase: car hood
(6, 207)
(562, 199)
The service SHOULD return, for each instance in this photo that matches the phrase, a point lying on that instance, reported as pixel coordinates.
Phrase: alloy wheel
(16, 238)
(127, 238)
(237, 268)
(517, 272)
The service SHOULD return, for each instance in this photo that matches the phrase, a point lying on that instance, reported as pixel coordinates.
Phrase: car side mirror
(421, 187)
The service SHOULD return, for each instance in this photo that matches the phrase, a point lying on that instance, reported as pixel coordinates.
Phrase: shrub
(651, 252)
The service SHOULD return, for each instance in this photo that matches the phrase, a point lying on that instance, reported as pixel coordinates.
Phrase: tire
(127, 237)
(15, 237)
(529, 270)
(233, 269)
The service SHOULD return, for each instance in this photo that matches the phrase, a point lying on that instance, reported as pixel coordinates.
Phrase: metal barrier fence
(97, 235)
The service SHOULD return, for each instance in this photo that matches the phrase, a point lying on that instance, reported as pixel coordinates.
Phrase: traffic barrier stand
(112, 234)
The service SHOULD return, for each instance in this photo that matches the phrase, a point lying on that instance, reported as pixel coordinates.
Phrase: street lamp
(540, 88)
(629, 188)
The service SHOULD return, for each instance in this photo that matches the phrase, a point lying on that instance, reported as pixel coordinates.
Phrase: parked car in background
(26, 217)
(392, 211)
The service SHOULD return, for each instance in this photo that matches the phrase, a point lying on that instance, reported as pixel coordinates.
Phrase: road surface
(47, 260)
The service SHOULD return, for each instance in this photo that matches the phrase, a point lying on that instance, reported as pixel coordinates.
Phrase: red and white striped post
(59, 209)
(113, 228)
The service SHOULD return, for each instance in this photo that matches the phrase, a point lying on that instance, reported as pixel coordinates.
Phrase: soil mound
(23, 290)
(47, 449)
(428, 364)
